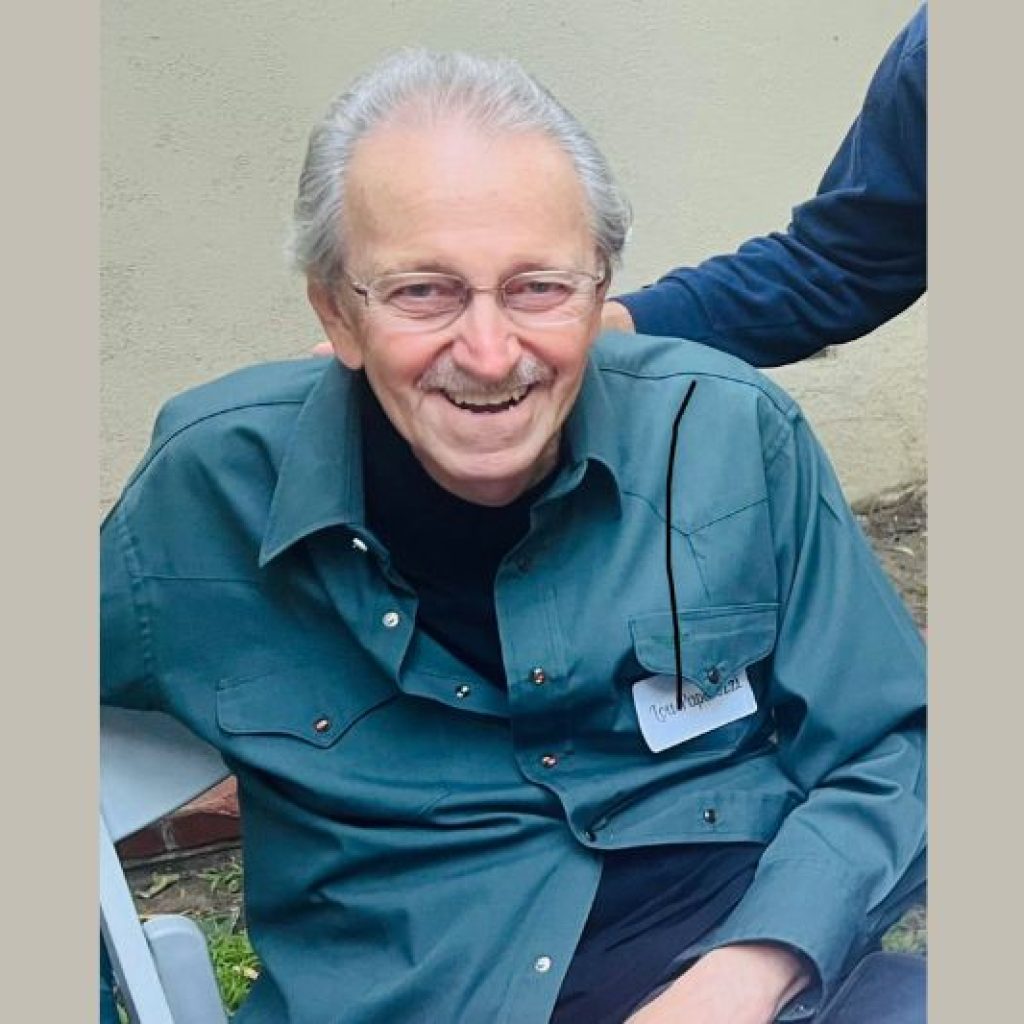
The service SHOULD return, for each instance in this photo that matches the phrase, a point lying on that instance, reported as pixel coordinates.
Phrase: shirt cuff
(668, 309)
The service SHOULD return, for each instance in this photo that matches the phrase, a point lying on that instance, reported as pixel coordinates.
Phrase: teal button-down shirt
(423, 846)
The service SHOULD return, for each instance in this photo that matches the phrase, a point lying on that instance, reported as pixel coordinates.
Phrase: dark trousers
(653, 903)
(629, 938)
(883, 988)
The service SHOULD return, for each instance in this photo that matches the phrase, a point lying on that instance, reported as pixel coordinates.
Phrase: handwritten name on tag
(664, 725)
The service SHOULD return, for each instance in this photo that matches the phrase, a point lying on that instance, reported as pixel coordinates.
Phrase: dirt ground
(897, 526)
(209, 883)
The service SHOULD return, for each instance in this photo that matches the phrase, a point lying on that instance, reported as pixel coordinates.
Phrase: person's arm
(125, 661)
(128, 672)
(741, 984)
(853, 257)
(847, 690)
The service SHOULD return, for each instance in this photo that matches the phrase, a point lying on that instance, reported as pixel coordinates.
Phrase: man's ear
(338, 323)
(606, 278)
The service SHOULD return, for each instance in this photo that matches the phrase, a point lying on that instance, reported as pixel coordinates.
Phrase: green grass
(909, 934)
(234, 962)
(225, 879)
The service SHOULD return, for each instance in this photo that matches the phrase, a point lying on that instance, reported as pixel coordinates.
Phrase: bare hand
(615, 317)
(741, 984)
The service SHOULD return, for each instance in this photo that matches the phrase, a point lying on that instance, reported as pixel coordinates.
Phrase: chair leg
(183, 963)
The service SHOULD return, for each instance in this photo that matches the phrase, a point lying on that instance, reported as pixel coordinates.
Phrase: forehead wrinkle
(411, 215)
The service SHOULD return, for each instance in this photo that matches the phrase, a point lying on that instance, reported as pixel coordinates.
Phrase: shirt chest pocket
(327, 742)
(718, 648)
(716, 644)
(304, 702)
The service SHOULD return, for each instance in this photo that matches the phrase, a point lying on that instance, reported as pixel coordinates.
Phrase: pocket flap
(307, 702)
(717, 643)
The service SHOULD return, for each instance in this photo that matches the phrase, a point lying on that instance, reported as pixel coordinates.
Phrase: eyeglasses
(429, 301)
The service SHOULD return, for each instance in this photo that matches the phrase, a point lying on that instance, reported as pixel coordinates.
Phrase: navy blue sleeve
(854, 255)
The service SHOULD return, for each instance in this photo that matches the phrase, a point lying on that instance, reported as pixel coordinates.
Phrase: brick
(211, 818)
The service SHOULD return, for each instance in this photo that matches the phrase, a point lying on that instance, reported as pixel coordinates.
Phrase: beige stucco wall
(718, 117)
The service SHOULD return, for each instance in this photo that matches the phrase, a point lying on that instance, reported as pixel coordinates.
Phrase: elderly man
(557, 677)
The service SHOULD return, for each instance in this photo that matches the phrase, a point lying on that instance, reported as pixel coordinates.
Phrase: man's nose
(487, 342)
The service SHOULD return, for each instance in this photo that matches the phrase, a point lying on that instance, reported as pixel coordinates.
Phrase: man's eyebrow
(433, 266)
(412, 266)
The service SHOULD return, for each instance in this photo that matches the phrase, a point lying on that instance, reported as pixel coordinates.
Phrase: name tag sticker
(664, 725)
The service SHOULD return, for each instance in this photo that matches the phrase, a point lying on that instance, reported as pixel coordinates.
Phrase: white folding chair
(149, 766)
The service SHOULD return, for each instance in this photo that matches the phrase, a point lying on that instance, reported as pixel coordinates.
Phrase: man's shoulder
(257, 405)
(736, 425)
(636, 359)
(239, 395)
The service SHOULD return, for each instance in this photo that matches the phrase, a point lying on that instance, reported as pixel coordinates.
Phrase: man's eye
(536, 287)
(413, 292)
(416, 291)
(419, 296)
(537, 292)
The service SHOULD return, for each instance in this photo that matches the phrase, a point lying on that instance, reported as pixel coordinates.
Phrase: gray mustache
(444, 375)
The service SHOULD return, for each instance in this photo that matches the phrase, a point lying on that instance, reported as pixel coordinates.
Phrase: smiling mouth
(488, 403)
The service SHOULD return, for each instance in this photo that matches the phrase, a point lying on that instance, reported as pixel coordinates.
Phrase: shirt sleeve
(847, 690)
(126, 664)
(853, 256)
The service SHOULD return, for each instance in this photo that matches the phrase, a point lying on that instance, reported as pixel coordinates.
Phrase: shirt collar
(320, 482)
(591, 430)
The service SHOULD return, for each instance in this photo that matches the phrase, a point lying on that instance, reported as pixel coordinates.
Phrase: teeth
(488, 402)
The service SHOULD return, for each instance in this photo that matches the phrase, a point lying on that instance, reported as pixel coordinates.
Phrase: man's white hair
(491, 94)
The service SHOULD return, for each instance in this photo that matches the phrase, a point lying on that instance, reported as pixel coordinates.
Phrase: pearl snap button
(390, 619)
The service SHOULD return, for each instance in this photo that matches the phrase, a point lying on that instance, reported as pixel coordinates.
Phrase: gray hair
(493, 94)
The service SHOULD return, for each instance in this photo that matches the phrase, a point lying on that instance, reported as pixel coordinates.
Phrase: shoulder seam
(755, 385)
(154, 452)
(136, 577)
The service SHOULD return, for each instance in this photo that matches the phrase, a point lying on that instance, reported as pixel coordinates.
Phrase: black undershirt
(652, 902)
(446, 548)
